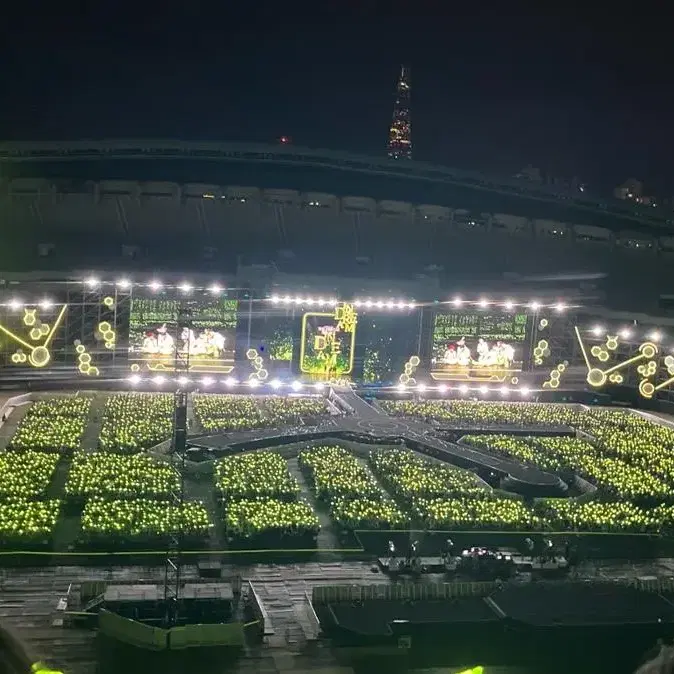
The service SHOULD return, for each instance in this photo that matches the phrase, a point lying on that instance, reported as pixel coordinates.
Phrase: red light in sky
(284, 140)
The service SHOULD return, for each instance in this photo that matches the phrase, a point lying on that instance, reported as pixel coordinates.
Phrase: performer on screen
(164, 341)
(462, 353)
(450, 356)
(482, 352)
(214, 342)
(150, 344)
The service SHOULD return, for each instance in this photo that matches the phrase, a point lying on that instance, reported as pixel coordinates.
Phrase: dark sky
(576, 93)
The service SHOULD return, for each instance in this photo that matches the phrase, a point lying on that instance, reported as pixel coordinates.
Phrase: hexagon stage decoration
(647, 365)
(37, 354)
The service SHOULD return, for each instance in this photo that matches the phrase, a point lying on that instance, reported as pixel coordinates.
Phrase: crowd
(367, 513)
(613, 516)
(255, 475)
(355, 499)
(217, 412)
(121, 476)
(617, 477)
(52, 425)
(481, 413)
(136, 421)
(494, 514)
(27, 523)
(26, 474)
(142, 521)
(333, 471)
(220, 412)
(409, 476)
(248, 519)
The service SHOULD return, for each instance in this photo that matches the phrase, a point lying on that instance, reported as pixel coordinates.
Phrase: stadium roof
(425, 183)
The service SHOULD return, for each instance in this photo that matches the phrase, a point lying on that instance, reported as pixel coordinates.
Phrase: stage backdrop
(210, 341)
(473, 347)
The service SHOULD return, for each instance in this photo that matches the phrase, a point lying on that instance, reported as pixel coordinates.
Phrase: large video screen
(328, 342)
(477, 347)
(384, 343)
(155, 341)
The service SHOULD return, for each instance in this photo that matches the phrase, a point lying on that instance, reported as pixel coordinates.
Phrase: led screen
(328, 342)
(477, 347)
(209, 341)
(384, 343)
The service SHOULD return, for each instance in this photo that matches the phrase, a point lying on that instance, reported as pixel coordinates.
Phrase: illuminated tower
(400, 133)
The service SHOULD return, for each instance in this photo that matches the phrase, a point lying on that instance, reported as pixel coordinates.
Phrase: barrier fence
(326, 594)
(137, 634)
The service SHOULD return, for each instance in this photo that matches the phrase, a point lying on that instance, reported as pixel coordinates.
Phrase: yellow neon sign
(39, 355)
(345, 319)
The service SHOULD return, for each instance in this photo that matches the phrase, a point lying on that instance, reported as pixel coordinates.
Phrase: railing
(324, 594)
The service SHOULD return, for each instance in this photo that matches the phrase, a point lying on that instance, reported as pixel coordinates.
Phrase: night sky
(575, 93)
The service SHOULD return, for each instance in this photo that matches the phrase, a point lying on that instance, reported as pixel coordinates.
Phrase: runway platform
(366, 423)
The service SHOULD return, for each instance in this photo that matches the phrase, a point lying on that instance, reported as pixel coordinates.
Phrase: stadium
(236, 377)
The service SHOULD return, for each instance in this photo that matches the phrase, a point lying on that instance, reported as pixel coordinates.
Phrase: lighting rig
(173, 561)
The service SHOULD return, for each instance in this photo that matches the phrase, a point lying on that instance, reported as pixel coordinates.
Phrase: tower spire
(400, 134)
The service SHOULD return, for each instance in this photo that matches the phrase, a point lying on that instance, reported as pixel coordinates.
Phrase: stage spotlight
(134, 379)
(411, 305)
(535, 306)
(230, 381)
(524, 391)
(421, 387)
(253, 383)
(463, 389)
(401, 388)
(368, 303)
(183, 381)
(357, 303)
(442, 388)
(296, 386)
(155, 285)
(92, 282)
(275, 299)
(46, 304)
(484, 390)
(319, 385)
(457, 301)
(400, 305)
(15, 304)
(483, 303)
(655, 336)
(508, 305)
(320, 301)
(298, 300)
(185, 287)
(332, 302)
(560, 307)
(287, 299)
(215, 289)
(380, 304)
(275, 384)
(124, 283)
(159, 379)
(625, 334)
(207, 381)
(390, 305)
(505, 390)
(597, 331)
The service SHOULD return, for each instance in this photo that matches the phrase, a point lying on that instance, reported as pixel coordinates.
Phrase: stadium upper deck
(159, 205)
